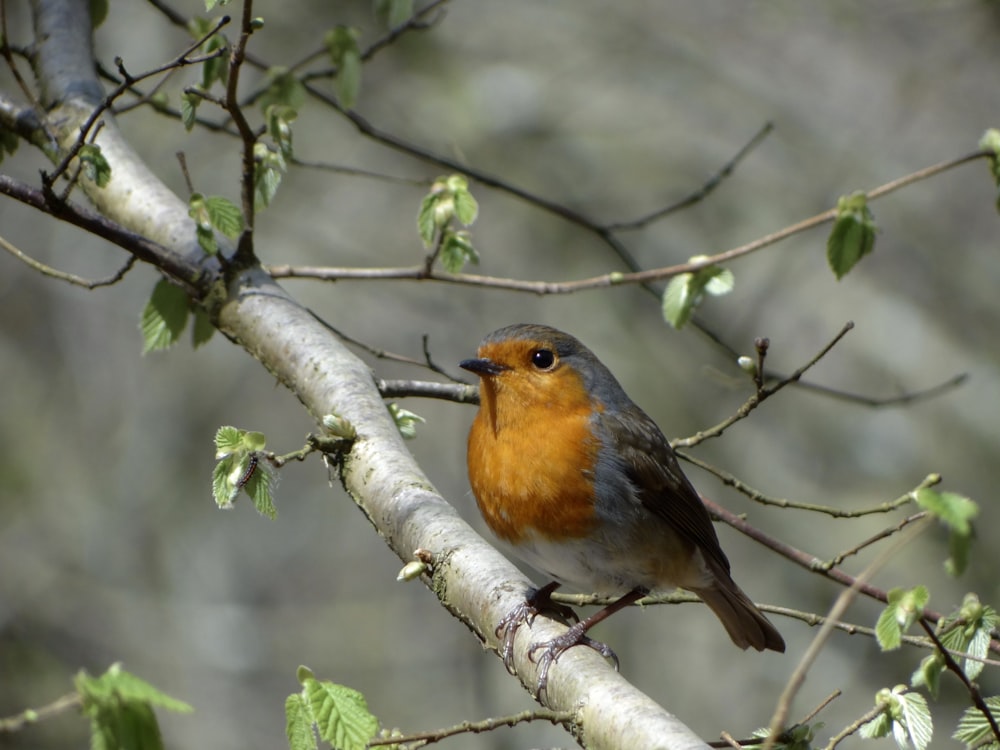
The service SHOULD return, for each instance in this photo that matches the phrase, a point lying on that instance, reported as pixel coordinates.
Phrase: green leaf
(202, 329)
(189, 109)
(677, 304)
(426, 225)
(853, 234)
(342, 46)
(466, 207)
(212, 4)
(686, 291)
(164, 317)
(95, 166)
(228, 440)
(339, 426)
(224, 216)
(991, 142)
(878, 727)
(974, 728)
(259, 487)
(393, 13)
(457, 250)
(119, 706)
(979, 644)
(905, 714)
(928, 673)
(279, 120)
(222, 489)
(349, 79)
(254, 441)
(956, 512)
(284, 89)
(342, 715)
(969, 630)
(916, 725)
(905, 607)
(216, 68)
(406, 421)
(887, 630)
(299, 724)
(268, 171)
(125, 686)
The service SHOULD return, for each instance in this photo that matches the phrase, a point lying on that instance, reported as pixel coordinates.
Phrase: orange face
(531, 447)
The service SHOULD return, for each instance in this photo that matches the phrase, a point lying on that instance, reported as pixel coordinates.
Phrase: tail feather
(746, 624)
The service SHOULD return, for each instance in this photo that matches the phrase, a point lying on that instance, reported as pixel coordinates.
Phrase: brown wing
(650, 464)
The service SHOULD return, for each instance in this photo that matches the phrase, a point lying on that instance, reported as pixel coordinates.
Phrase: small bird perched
(581, 484)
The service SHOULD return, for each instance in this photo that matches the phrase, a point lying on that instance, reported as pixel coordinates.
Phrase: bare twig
(247, 134)
(701, 193)
(477, 727)
(8, 55)
(757, 496)
(68, 702)
(181, 60)
(63, 275)
(762, 393)
(883, 534)
(458, 392)
(901, 399)
(854, 726)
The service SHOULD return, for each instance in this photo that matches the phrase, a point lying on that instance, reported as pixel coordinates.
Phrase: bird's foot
(525, 613)
(552, 650)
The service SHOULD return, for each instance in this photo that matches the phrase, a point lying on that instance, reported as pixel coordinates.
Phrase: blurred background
(111, 548)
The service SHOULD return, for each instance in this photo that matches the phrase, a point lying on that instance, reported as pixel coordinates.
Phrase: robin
(581, 484)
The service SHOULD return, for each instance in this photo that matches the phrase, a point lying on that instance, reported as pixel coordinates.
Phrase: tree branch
(472, 580)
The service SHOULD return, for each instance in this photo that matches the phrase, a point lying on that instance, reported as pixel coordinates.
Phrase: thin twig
(701, 193)
(63, 275)
(68, 702)
(356, 172)
(477, 727)
(5, 50)
(762, 394)
(247, 134)
(462, 393)
(181, 60)
(855, 725)
(757, 496)
(901, 399)
(883, 534)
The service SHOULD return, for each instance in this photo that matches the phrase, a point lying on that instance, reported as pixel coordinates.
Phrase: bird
(580, 483)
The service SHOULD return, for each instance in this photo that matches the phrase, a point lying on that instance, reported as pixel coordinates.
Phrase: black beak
(483, 366)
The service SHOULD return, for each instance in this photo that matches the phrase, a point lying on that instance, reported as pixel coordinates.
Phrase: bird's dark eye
(543, 359)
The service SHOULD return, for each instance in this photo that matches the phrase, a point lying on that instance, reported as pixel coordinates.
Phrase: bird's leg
(526, 612)
(577, 635)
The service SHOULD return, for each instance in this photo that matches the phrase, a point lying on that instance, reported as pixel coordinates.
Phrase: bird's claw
(553, 649)
(523, 613)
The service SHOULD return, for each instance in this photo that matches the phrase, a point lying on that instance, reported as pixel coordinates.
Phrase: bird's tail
(746, 624)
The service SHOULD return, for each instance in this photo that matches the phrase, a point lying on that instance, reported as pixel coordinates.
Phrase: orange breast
(531, 463)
